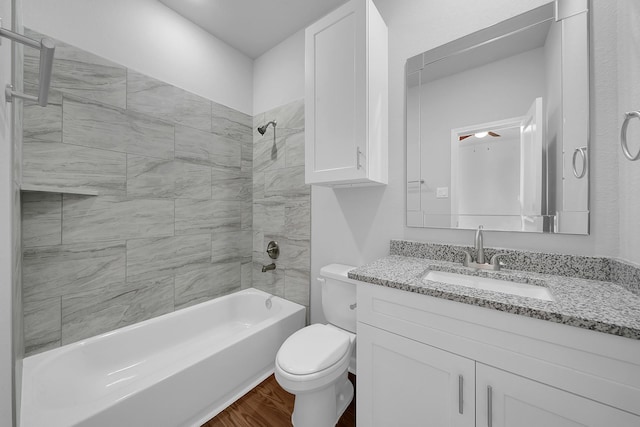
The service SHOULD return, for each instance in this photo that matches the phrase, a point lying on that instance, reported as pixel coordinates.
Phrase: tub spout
(266, 268)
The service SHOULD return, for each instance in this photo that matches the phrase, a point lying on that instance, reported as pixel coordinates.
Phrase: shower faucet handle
(273, 249)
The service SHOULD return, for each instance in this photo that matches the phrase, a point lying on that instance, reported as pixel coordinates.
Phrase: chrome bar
(47, 50)
(489, 406)
(19, 38)
(9, 93)
(460, 402)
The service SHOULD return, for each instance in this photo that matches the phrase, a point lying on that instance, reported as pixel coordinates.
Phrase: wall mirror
(497, 126)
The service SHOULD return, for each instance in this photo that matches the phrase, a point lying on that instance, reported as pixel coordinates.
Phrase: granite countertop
(585, 303)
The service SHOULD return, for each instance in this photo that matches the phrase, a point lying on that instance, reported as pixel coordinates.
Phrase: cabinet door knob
(489, 406)
(460, 398)
(358, 154)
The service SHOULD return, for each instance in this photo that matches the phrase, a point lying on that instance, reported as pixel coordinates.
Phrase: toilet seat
(335, 363)
(312, 349)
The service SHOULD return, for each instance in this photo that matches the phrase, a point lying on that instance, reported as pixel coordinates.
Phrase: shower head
(262, 129)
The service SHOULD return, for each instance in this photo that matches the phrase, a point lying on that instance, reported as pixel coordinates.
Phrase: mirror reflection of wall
(487, 79)
(484, 161)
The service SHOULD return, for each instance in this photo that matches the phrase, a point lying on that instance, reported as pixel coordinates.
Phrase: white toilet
(313, 363)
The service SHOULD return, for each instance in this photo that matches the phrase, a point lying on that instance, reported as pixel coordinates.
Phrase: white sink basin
(488, 284)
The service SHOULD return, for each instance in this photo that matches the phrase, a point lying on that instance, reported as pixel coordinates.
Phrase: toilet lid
(312, 349)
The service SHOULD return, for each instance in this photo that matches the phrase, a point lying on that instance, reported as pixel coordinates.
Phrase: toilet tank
(338, 296)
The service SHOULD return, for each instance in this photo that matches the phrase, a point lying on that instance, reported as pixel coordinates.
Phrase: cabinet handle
(489, 406)
(460, 401)
(358, 153)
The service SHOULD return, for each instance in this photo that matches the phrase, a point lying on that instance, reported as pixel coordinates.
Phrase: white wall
(147, 36)
(629, 100)
(278, 74)
(6, 222)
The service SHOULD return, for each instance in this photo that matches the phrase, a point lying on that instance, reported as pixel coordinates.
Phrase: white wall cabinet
(516, 371)
(346, 97)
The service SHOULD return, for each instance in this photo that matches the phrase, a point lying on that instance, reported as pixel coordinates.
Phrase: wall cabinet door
(346, 97)
(504, 399)
(402, 382)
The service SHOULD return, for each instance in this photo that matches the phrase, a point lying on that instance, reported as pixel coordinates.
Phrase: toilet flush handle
(351, 306)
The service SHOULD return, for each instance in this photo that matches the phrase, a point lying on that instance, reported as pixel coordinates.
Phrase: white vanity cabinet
(414, 349)
(516, 401)
(346, 97)
(402, 382)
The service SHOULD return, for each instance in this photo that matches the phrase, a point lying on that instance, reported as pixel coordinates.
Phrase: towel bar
(47, 49)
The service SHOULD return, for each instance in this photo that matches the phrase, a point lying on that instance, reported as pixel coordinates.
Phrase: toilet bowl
(313, 363)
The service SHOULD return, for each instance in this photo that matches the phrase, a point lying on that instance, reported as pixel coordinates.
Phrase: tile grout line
(174, 208)
(60, 321)
(61, 200)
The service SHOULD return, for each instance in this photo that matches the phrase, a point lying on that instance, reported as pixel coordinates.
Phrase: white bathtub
(179, 369)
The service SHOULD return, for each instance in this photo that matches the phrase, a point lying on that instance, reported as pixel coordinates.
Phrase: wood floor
(268, 405)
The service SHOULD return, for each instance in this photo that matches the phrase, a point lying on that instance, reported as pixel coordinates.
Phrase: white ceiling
(252, 26)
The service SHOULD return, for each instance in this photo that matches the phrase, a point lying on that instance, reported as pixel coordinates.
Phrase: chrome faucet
(479, 245)
(480, 262)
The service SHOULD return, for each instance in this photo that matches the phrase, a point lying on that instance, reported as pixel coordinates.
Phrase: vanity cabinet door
(402, 382)
(504, 399)
(346, 97)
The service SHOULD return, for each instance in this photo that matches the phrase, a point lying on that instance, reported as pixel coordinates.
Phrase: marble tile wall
(281, 203)
(171, 225)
